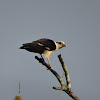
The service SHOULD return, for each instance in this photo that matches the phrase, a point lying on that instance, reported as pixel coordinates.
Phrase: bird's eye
(59, 42)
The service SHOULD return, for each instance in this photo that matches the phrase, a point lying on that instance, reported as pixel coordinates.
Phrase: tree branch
(68, 83)
(64, 87)
(51, 69)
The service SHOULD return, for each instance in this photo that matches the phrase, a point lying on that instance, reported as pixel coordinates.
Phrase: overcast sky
(76, 22)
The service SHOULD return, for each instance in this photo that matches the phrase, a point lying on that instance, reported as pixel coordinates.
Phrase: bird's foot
(49, 63)
(42, 58)
(49, 66)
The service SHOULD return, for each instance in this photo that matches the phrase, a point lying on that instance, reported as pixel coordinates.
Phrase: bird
(43, 46)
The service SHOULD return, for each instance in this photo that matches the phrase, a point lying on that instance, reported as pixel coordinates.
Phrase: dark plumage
(39, 46)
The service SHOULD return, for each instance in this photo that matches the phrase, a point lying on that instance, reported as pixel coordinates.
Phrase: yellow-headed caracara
(43, 46)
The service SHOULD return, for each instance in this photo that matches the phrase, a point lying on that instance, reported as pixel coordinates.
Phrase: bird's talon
(48, 64)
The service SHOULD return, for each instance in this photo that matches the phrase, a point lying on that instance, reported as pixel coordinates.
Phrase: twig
(52, 70)
(64, 87)
(68, 83)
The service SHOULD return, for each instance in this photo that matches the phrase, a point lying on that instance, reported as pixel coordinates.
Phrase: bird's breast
(47, 54)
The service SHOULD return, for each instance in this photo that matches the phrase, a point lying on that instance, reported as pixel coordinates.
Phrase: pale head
(60, 44)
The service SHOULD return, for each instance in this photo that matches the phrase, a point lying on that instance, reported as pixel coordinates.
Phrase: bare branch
(68, 83)
(51, 69)
(72, 95)
(57, 88)
(64, 87)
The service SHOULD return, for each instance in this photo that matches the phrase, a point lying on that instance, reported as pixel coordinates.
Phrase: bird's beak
(64, 45)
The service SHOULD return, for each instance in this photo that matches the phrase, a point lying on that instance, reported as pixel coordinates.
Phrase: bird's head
(60, 44)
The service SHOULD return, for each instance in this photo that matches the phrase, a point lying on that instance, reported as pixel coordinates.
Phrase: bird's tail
(26, 46)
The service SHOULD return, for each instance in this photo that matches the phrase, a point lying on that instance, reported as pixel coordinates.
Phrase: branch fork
(64, 87)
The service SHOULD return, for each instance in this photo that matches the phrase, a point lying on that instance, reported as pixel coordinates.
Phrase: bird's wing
(46, 43)
(33, 47)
